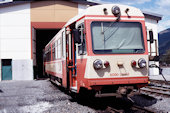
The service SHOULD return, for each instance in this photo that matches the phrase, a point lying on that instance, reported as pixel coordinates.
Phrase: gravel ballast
(43, 97)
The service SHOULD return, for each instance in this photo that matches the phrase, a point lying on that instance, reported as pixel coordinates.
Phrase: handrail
(156, 50)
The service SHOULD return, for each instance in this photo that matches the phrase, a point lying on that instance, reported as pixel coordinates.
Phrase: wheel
(50, 78)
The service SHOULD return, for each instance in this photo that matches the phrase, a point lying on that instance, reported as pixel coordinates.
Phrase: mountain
(164, 41)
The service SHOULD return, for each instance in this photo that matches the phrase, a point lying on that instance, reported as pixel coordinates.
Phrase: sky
(161, 7)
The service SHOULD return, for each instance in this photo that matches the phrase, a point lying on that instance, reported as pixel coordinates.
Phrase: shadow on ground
(1, 91)
(144, 100)
(100, 104)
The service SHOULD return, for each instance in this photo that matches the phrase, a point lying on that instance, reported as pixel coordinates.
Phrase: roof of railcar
(98, 10)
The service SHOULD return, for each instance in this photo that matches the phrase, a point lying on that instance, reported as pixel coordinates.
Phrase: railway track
(160, 82)
(156, 89)
(141, 109)
(153, 90)
(113, 110)
(133, 109)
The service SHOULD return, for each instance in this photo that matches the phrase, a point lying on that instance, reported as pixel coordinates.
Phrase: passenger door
(71, 59)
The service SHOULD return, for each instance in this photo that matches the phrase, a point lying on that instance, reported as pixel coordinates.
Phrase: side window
(48, 54)
(82, 47)
(56, 50)
(63, 44)
(53, 51)
(59, 48)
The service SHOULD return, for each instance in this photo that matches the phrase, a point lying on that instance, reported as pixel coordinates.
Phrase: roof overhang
(150, 15)
(153, 16)
(15, 2)
(5, 1)
(85, 2)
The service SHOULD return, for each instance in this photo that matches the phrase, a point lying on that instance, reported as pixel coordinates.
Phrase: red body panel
(64, 78)
(116, 81)
(81, 65)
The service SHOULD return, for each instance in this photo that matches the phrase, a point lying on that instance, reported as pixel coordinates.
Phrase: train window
(82, 47)
(63, 44)
(53, 51)
(151, 36)
(117, 37)
(48, 54)
(59, 48)
(56, 50)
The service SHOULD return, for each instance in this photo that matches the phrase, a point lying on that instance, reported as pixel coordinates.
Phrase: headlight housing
(115, 10)
(142, 63)
(97, 64)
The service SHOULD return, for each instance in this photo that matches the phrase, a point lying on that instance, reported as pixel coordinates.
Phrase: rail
(141, 109)
(155, 91)
(133, 109)
(152, 88)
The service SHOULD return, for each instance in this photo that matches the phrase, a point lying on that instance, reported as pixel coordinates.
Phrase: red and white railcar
(103, 49)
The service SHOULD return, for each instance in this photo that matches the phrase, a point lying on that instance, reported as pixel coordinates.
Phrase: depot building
(27, 26)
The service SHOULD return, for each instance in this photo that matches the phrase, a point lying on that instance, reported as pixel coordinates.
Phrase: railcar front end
(116, 54)
(104, 49)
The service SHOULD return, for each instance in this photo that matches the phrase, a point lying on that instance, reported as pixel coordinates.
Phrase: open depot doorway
(40, 39)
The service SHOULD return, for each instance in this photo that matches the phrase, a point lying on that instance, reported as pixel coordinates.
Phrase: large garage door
(41, 37)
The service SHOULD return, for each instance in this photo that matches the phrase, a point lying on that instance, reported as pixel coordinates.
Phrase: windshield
(117, 37)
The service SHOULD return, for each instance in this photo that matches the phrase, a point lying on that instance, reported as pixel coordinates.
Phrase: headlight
(116, 10)
(142, 63)
(97, 64)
